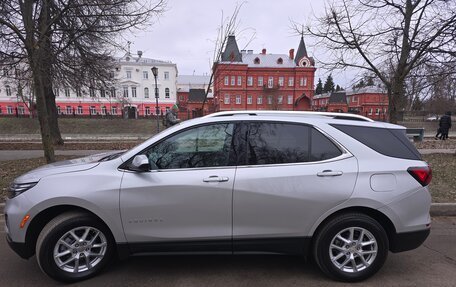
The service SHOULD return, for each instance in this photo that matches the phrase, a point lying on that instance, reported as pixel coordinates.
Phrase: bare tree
(386, 37)
(228, 26)
(66, 42)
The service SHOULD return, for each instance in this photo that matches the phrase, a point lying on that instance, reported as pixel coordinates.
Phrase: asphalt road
(433, 264)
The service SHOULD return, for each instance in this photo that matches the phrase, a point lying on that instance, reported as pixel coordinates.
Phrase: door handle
(215, 178)
(329, 173)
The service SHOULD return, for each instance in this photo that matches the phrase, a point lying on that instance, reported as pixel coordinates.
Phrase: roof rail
(341, 116)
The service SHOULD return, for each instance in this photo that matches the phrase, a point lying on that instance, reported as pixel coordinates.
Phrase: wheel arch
(380, 217)
(41, 219)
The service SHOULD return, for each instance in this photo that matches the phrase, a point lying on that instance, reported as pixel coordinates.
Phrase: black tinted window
(322, 148)
(392, 142)
(273, 143)
(205, 146)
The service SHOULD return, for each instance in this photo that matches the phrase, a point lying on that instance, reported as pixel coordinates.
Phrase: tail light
(422, 174)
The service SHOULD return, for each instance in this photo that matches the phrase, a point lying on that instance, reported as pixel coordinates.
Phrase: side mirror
(140, 163)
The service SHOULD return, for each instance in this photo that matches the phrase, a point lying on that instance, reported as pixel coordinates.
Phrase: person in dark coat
(445, 125)
(171, 116)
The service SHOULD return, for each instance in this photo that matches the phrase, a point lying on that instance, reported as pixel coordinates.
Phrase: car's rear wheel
(74, 246)
(351, 247)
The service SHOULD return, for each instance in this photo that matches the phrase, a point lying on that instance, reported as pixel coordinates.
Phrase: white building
(132, 95)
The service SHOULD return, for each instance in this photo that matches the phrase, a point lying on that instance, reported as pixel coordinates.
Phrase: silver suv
(338, 187)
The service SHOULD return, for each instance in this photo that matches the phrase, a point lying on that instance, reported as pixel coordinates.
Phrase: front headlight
(17, 188)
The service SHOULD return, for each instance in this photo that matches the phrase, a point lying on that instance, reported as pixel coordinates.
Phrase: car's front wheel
(351, 247)
(74, 246)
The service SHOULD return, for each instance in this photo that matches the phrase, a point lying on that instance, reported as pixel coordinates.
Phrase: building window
(111, 75)
(250, 81)
(238, 100)
(145, 75)
(80, 112)
(93, 110)
(249, 100)
(280, 61)
(92, 92)
(125, 92)
(166, 75)
(290, 100)
(227, 80)
(103, 110)
(128, 74)
(59, 110)
(281, 81)
(147, 111)
(5, 72)
(113, 110)
(239, 82)
(78, 92)
(303, 82)
(113, 92)
(56, 92)
(354, 99)
(67, 92)
(227, 100)
(291, 81)
(270, 82)
(260, 81)
(260, 100)
(167, 93)
(1, 112)
(102, 93)
(8, 91)
(69, 110)
(20, 110)
(233, 80)
(257, 60)
(269, 100)
(181, 98)
(9, 110)
(146, 93)
(280, 100)
(370, 111)
(377, 111)
(133, 92)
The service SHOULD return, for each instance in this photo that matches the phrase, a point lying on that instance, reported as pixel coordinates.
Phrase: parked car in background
(338, 187)
(432, 118)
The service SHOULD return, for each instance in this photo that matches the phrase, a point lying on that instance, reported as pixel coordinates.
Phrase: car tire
(74, 246)
(351, 247)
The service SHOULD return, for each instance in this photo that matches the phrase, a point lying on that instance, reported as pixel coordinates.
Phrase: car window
(204, 146)
(275, 143)
(389, 142)
(322, 148)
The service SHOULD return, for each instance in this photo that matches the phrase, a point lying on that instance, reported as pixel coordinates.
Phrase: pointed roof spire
(302, 51)
(231, 53)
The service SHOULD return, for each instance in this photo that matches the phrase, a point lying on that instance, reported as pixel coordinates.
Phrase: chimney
(243, 51)
(249, 51)
(292, 54)
(263, 51)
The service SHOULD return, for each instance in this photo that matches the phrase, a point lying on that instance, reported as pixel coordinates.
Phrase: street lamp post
(157, 110)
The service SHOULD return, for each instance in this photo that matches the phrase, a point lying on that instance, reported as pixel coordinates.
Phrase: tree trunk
(41, 107)
(397, 100)
(53, 116)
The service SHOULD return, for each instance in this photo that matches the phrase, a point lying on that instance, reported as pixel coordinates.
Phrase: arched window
(167, 93)
(146, 92)
(257, 60)
(280, 61)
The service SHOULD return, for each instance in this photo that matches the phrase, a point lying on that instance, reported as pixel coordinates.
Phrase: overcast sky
(185, 33)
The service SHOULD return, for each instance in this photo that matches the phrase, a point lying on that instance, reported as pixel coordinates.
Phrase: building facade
(370, 101)
(191, 91)
(132, 94)
(247, 81)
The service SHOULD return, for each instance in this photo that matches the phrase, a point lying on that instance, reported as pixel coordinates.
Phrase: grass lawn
(11, 126)
(443, 185)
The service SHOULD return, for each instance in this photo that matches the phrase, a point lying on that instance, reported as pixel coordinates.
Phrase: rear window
(389, 142)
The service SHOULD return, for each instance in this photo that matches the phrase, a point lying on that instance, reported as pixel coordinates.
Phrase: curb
(437, 209)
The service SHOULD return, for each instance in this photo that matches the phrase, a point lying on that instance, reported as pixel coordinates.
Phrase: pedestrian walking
(171, 116)
(438, 134)
(445, 125)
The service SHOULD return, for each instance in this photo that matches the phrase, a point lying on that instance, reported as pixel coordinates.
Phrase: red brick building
(371, 102)
(247, 81)
(191, 91)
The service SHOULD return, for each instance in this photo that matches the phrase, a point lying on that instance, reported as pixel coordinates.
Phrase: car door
(187, 195)
(293, 174)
